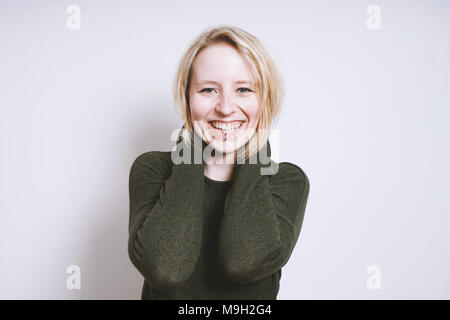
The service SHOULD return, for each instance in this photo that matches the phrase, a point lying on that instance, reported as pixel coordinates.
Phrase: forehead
(221, 62)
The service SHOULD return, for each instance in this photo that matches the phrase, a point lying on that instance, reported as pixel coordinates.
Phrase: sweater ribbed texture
(191, 237)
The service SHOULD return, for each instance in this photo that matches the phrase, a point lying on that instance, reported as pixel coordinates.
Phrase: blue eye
(210, 90)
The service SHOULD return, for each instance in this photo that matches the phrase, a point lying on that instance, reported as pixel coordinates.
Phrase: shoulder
(288, 168)
(292, 175)
(154, 157)
(152, 162)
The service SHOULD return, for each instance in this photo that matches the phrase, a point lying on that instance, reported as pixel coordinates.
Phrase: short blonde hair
(268, 79)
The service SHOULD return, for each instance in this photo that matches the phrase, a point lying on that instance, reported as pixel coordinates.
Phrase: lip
(223, 133)
(229, 121)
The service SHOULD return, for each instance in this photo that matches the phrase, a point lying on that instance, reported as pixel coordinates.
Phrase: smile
(226, 126)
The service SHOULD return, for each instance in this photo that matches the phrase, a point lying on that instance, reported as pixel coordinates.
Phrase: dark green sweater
(195, 238)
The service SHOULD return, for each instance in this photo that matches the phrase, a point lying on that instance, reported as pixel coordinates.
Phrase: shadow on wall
(107, 272)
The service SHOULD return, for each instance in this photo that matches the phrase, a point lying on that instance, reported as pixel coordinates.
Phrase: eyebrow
(215, 82)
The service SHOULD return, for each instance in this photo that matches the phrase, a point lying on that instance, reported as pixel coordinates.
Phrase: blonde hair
(268, 80)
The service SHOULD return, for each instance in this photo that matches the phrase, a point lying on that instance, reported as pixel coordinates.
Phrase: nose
(225, 105)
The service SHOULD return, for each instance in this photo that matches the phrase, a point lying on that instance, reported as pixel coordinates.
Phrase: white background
(366, 116)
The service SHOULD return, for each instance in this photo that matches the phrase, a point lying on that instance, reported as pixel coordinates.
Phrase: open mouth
(225, 128)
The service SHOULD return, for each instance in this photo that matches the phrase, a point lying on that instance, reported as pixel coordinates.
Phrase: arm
(262, 221)
(165, 225)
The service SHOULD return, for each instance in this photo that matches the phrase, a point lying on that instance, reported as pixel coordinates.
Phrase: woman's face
(223, 100)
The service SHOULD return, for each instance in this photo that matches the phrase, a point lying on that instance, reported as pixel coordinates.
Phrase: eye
(247, 90)
(206, 90)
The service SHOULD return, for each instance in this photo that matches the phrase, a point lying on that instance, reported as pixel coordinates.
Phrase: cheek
(199, 108)
(253, 111)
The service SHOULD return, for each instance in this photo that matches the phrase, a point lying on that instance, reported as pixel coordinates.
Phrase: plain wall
(366, 116)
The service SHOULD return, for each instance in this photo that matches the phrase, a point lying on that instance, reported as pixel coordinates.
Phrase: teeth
(226, 127)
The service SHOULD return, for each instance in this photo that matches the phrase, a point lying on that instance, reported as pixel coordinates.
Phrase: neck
(221, 167)
(219, 172)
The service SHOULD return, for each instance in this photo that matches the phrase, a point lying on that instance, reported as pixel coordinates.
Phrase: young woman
(224, 226)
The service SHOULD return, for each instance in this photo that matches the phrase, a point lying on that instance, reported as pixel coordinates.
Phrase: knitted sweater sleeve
(262, 219)
(165, 219)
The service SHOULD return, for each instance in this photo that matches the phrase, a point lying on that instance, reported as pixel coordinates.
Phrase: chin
(226, 149)
(226, 146)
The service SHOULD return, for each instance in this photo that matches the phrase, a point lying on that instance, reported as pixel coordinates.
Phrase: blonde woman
(206, 220)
